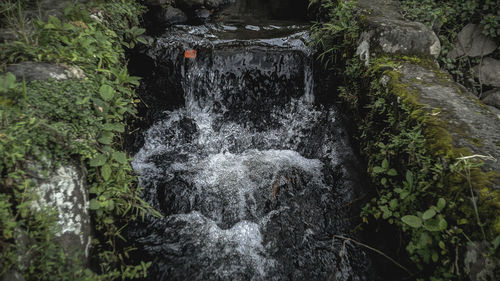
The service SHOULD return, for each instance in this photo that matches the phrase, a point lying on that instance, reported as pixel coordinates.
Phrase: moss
(440, 141)
(404, 91)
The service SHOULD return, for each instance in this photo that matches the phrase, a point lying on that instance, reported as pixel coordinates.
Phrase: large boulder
(173, 15)
(472, 42)
(488, 72)
(386, 32)
(202, 15)
(215, 3)
(467, 122)
(492, 98)
(286, 9)
(156, 2)
(190, 3)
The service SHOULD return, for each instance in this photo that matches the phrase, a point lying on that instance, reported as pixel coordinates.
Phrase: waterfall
(251, 176)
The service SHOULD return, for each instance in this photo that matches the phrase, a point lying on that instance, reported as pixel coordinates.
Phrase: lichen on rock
(65, 191)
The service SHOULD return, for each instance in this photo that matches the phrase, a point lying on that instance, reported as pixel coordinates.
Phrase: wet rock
(472, 42)
(190, 3)
(65, 190)
(287, 9)
(492, 98)
(43, 71)
(251, 176)
(285, 62)
(202, 15)
(156, 2)
(215, 3)
(488, 72)
(173, 15)
(389, 35)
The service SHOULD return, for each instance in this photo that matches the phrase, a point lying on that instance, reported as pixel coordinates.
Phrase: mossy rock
(456, 124)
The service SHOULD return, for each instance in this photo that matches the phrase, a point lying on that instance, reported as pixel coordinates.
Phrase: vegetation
(447, 18)
(53, 123)
(415, 191)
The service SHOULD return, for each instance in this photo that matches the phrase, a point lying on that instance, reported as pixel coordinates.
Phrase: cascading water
(252, 178)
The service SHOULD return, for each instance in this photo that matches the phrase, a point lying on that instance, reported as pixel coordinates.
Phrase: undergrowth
(447, 18)
(76, 121)
(424, 196)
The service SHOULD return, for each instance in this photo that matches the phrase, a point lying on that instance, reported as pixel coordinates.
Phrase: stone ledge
(471, 124)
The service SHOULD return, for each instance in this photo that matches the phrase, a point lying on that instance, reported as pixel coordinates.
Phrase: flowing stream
(253, 178)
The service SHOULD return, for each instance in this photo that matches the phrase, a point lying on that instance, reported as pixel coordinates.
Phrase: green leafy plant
(340, 31)
(71, 121)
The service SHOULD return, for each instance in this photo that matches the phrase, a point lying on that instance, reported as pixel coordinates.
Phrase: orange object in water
(190, 54)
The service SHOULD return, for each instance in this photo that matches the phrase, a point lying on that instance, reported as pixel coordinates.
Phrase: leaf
(98, 161)
(94, 204)
(441, 204)
(82, 101)
(393, 204)
(435, 257)
(386, 213)
(409, 178)
(101, 106)
(107, 92)
(7, 82)
(383, 181)
(117, 127)
(106, 138)
(404, 194)
(385, 164)
(432, 225)
(120, 157)
(443, 224)
(142, 40)
(137, 30)
(106, 172)
(429, 214)
(496, 242)
(392, 172)
(378, 169)
(412, 221)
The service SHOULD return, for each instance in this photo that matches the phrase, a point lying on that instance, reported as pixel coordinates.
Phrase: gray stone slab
(471, 124)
